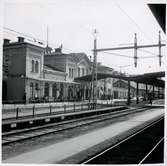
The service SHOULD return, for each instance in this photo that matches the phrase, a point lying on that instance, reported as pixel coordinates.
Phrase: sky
(72, 22)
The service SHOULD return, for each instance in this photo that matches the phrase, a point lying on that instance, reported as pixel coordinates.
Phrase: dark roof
(148, 78)
(52, 68)
(77, 57)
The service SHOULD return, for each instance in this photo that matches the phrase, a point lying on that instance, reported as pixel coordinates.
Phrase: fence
(37, 110)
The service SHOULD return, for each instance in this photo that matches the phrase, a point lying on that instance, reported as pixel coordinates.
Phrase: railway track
(28, 133)
(138, 148)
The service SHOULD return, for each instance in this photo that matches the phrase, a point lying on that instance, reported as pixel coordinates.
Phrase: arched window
(32, 65)
(36, 66)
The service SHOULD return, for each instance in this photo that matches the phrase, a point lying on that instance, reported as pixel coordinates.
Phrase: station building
(25, 77)
(74, 65)
(33, 73)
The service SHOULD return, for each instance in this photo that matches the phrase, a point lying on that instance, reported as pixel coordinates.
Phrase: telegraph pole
(135, 50)
(159, 46)
(135, 47)
(94, 71)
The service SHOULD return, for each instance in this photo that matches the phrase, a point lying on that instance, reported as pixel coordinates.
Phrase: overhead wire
(25, 35)
(125, 56)
(149, 52)
(29, 37)
(133, 21)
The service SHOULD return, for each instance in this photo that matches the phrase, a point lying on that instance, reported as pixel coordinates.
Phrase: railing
(16, 111)
(33, 110)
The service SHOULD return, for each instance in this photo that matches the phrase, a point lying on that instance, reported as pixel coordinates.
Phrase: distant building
(105, 86)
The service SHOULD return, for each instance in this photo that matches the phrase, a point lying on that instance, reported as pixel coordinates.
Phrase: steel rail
(148, 154)
(90, 120)
(124, 140)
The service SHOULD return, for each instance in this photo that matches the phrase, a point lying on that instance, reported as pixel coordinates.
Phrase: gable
(78, 58)
(122, 84)
(83, 62)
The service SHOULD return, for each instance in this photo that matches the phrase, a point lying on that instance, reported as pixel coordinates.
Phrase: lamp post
(94, 71)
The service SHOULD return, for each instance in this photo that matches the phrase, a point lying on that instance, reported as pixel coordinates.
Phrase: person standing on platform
(150, 98)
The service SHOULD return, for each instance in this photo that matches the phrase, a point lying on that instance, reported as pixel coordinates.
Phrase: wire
(126, 66)
(124, 44)
(134, 22)
(34, 39)
(146, 57)
(147, 51)
(125, 56)
(23, 34)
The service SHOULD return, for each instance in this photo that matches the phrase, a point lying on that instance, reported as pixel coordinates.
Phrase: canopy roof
(147, 78)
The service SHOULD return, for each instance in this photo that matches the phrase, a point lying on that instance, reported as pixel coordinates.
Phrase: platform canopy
(147, 78)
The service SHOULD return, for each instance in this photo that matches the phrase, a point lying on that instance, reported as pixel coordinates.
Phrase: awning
(147, 78)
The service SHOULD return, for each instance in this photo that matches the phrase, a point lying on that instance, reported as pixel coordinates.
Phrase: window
(36, 86)
(83, 71)
(46, 89)
(32, 65)
(78, 72)
(36, 67)
(69, 74)
(72, 73)
(87, 71)
(54, 90)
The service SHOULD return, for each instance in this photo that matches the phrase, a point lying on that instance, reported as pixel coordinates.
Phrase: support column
(158, 93)
(84, 97)
(129, 100)
(42, 88)
(50, 90)
(146, 92)
(65, 91)
(153, 92)
(137, 93)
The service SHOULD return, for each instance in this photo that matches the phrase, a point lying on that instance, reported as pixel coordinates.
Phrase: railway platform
(82, 146)
(10, 111)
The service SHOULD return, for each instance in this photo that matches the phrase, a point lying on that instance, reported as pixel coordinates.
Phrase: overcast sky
(71, 22)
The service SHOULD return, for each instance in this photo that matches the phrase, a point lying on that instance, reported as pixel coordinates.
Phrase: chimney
(6, 41)
(57, 50)
(20, 39)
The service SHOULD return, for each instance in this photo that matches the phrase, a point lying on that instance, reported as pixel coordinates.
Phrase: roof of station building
(146, 78)
(50, 67)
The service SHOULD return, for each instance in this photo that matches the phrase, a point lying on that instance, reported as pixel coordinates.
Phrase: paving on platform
(57, 152)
